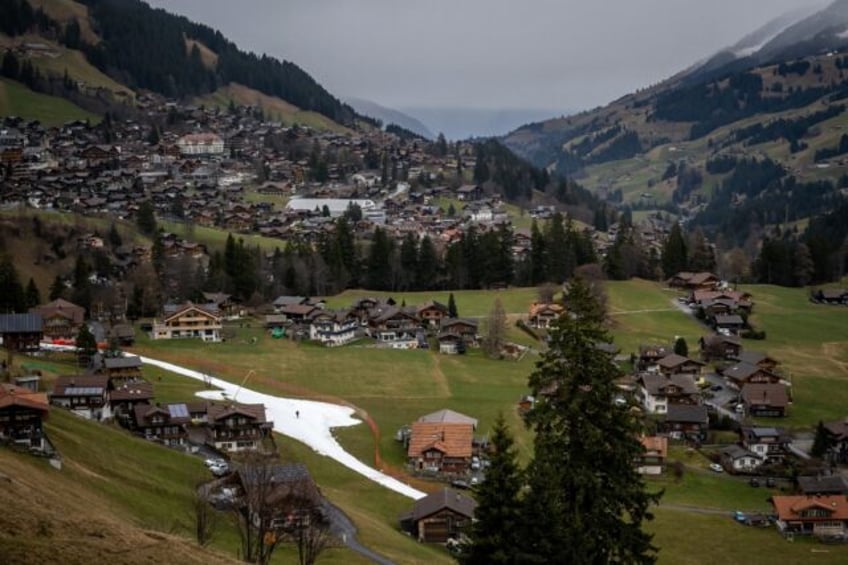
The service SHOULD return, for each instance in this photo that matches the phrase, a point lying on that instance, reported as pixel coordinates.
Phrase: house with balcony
(163, 424)
(441, 443)
(333, 328)
(189, 321)
(771, 444)
(237, 427)
(62, 319)
(658, 391)
(825, 516)
(395, 327)
(22, 413)
(84, 395)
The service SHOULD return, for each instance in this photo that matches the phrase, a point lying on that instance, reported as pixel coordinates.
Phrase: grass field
(215, 238)
(395, 387)
(18, 100)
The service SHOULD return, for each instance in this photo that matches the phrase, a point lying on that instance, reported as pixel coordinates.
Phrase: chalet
(62, 319)
(391, 324)
(772, 444)
(431, 313)
(738, 300)
(812, 515)
(737, 459)
(730, 322)
(21, 332)
(760, 359)
(467, 329)
(658, 392)
(765, 400)
(275, 322)
(742, 374)
(649, 355)
(823, 485)
(333, 328)
(82, 395)
(442, 448)
(720, 347)
(469, 193)
(684, 421)
(122, 368)
(677, 364)
(283, 493)
(543, 316)
(237, 427)
(298, 313)
(22, 413)
(189, 321)
(125, 396)
(122, 334)
(439, 517)
(838, 431)
(97, 153)
(692, 281)
(227, 306)
(652, 460)
(450, 343)
(164, 424)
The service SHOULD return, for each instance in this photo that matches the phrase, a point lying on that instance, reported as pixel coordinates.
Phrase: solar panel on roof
(83, 391)
(178, 410)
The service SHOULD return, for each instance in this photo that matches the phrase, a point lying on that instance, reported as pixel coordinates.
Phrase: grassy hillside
(18, 100)
(63, 11)
(275, 108)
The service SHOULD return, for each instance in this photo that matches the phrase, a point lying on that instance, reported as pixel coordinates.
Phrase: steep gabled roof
(13, 395)
(446, 498)
(791, 507)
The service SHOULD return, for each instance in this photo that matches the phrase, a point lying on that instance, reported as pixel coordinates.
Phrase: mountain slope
(390, 116)
(17, 100)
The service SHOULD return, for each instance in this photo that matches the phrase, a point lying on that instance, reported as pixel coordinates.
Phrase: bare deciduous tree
(495, 329)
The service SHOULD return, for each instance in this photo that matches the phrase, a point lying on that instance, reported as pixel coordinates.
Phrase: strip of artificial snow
(307, 421)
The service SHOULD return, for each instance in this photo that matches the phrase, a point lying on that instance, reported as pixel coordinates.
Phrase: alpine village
(243, 322)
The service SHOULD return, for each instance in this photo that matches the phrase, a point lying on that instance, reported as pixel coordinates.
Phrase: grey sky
(552, 54)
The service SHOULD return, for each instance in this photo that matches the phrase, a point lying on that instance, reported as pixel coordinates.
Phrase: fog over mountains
(465, 122)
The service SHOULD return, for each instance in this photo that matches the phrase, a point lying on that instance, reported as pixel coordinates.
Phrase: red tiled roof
(454, 440)
(790, 507)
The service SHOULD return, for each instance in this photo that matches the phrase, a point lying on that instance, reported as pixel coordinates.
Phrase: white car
(214, 461)
(716, 467)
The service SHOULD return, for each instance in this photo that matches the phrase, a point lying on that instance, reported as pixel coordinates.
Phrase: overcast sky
(550, 54)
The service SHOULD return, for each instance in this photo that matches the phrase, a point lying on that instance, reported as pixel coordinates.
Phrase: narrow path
(439, 376)
(343, 528)
(645, 311)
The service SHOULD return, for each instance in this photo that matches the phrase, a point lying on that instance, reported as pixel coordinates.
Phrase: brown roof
(539, 307)
(220, 411)
(453, 439)
(61, 307)
(80, 385)
(133, 391)
(674, 360)
(177, 310)
(446, 498)
(12, 395)
(790, 507)
(765, 394)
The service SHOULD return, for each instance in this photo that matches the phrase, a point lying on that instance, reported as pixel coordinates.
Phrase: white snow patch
(313, 426)
(307, 421)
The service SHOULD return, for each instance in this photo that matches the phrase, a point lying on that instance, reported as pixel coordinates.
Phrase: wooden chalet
(543, 315)
(164, 424)
(125, 395)
(442, 448)
(22, 413)
(181, 321)
(62, 319)
(21, 332)
(392, 324)
(720, 347)
(677, 364)
(658, 391)
(237, 427)
(692, 281)
(743, 373)
(650, 354)
(84, 395)
(467, 329)
(765, 400)
(431, 313)
(772, 444)
(823, 516)
(439, 517)
(684, 421)
(117, 368)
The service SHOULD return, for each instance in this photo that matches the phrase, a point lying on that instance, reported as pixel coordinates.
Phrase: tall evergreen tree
(538, 256)
(379, 262)
(57, 288)
(495, 532)
(822, 442)
(146, 218)
(428, 262)
(586, 502)
(674, 255)
(12, 298)
(32, 297)
(86, 345)
(452, 311)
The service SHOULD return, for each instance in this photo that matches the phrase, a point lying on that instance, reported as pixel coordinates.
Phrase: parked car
(754, 482)
(213, 461)
(770, 482)
(716, 388)
(475, 463)
(715, 467)
(459, 483)
(220, 470)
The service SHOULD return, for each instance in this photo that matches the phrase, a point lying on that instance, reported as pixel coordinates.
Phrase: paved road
(346, 531)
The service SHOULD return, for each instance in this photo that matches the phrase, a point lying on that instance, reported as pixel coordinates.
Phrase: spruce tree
(494, 534)
(452, 311)
(674, 255)
(585, 502)
(822, 442)
(86, 345)
(681, 347)
(32, 297)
